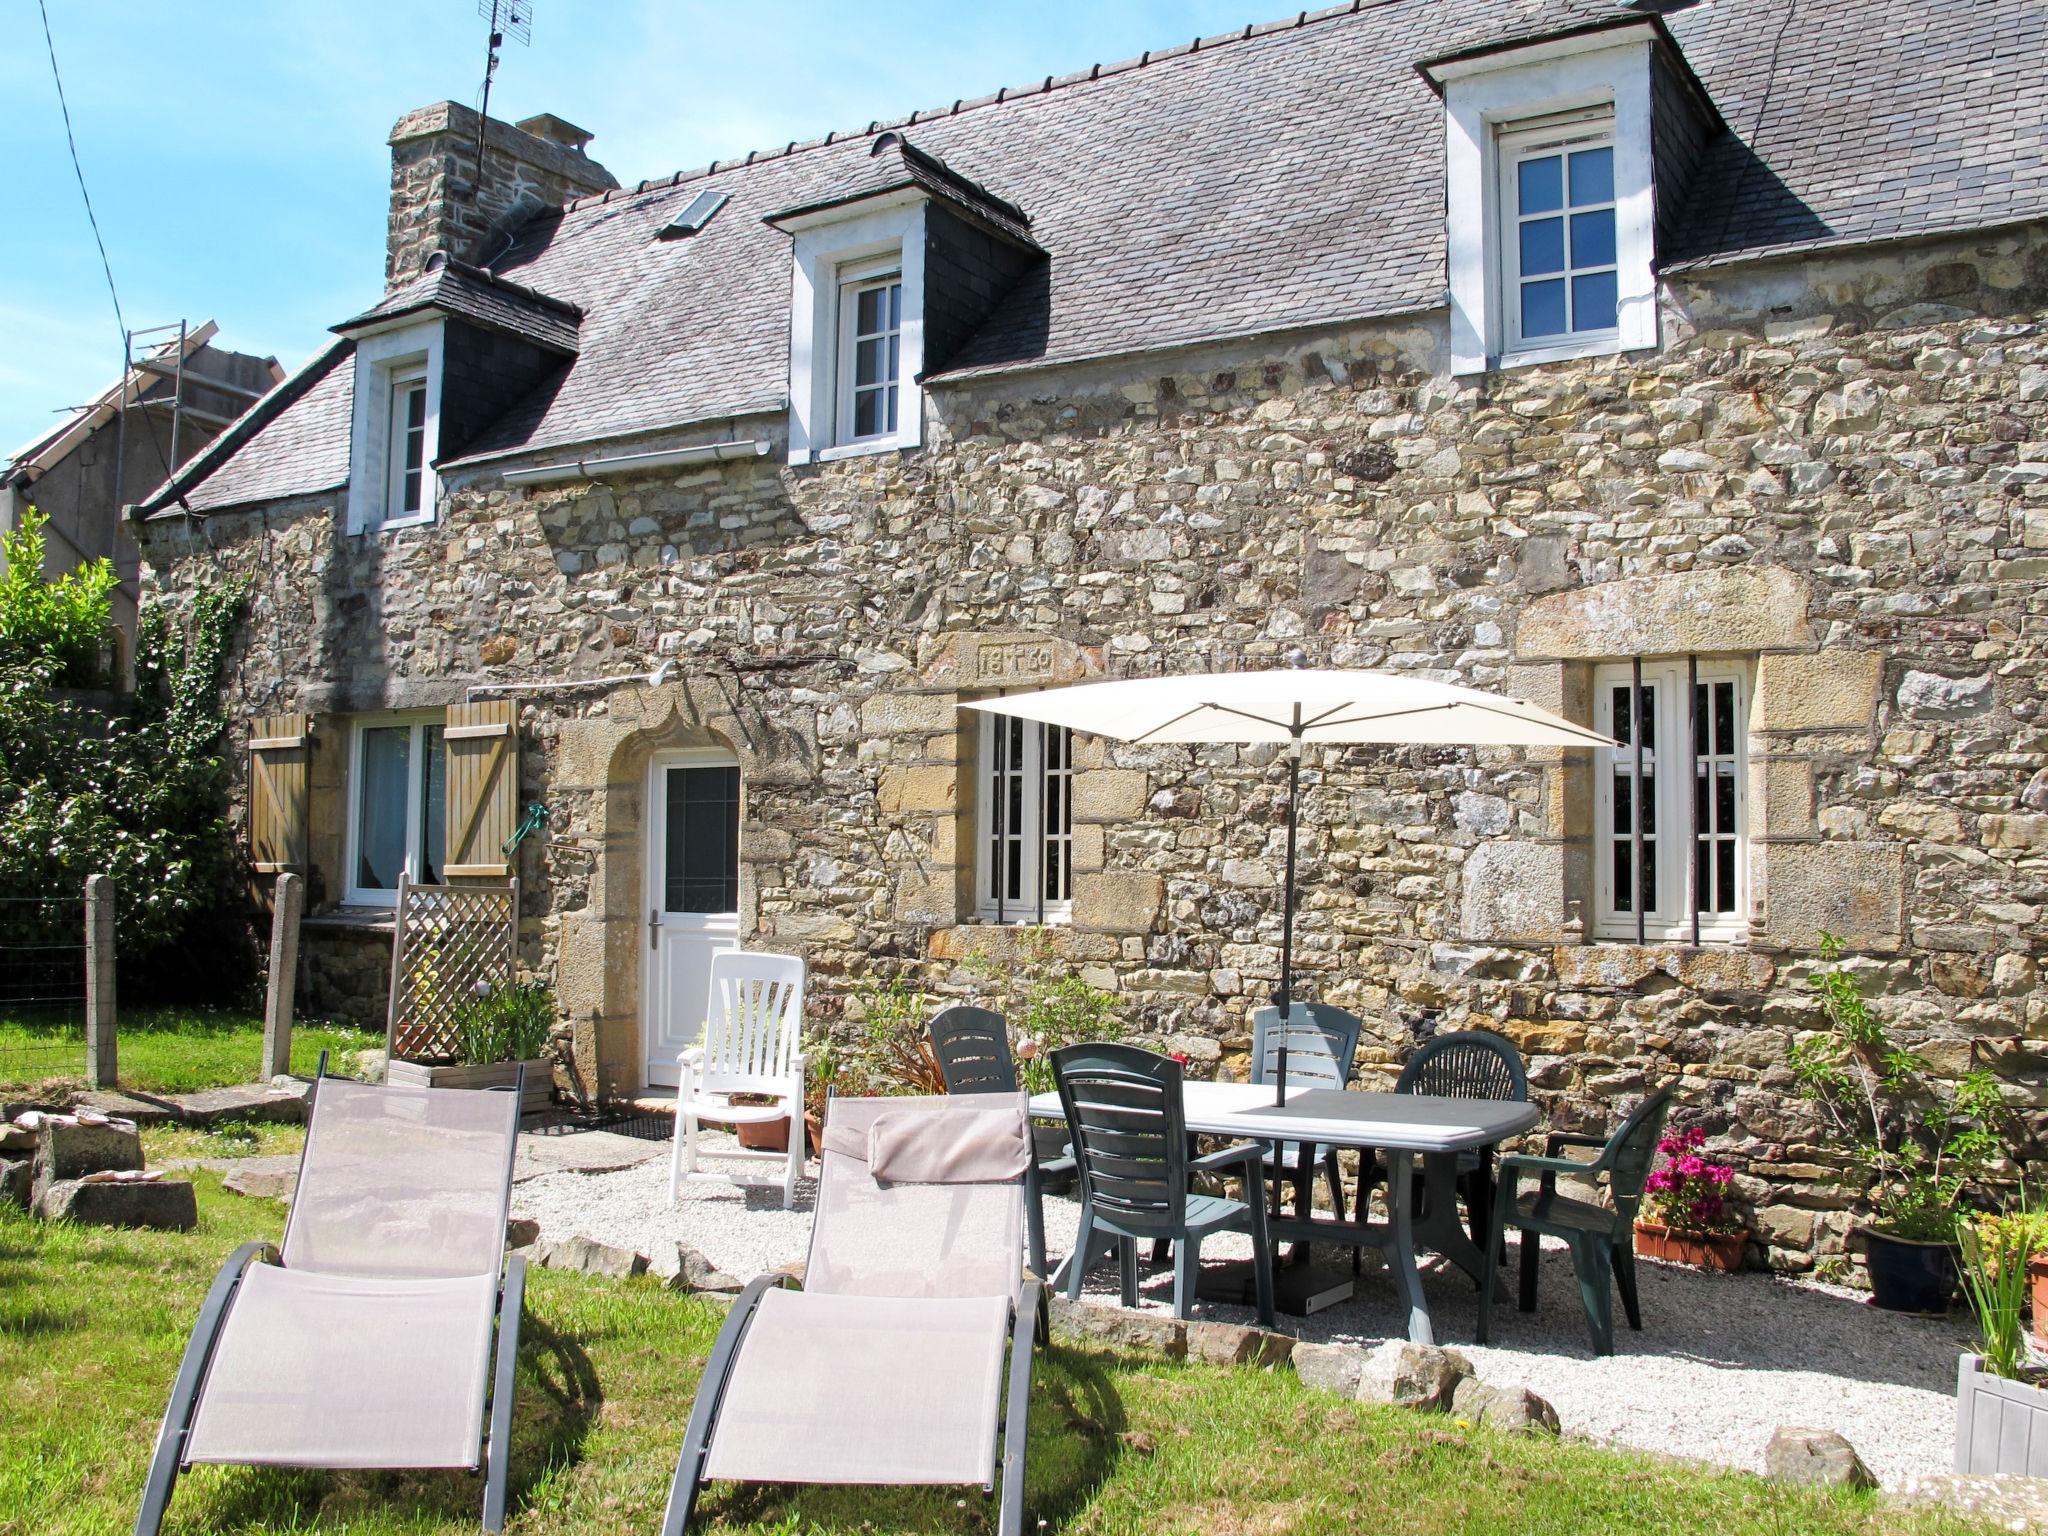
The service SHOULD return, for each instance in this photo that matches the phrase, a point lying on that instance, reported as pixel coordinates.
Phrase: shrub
(67, 623)
(138, 793)
(1914, 1144)
(509, 1023)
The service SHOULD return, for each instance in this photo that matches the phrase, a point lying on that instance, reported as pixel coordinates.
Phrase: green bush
(510, 1023)
(137, 792)
(67, 623)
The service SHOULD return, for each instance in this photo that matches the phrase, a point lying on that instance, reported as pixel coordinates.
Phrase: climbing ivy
(133, 788)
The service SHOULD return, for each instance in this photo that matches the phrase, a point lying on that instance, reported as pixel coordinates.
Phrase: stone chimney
(440, 203)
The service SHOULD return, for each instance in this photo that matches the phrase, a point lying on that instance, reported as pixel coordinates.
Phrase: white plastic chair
(752, 1045)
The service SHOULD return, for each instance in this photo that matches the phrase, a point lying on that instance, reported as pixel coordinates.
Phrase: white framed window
(870, 351)
(1550, 199)
(407, 455)
(397, 805)
(1559, 280)
(395, 429)
(856, 338)
(1024, 864)
(1670, 827)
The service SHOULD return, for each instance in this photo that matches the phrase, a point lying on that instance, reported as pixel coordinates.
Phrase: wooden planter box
(2001, 1426)
(540, 1078)
(1718, 1252)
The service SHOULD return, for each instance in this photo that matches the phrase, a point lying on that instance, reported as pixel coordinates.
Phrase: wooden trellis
(450, 943)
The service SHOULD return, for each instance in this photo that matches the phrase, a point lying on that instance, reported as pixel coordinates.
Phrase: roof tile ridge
(1001, 97)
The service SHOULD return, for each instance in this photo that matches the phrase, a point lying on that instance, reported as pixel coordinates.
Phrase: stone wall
(1836, 471)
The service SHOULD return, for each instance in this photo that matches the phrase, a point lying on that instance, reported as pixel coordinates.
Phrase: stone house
(1530, 346)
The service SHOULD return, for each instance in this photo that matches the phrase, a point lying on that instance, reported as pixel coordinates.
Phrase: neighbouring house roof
(40, 453)
(454, 287)
(1285, 176)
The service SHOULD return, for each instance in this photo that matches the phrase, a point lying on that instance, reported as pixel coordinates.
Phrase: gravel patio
(1721, 1363)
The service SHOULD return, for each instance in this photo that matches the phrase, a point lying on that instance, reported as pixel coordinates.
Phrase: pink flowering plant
(1687, 1191)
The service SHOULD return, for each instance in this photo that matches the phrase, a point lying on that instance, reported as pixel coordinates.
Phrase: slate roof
(896, 165)
(457, 288)
(1286, 176)
(292, 442)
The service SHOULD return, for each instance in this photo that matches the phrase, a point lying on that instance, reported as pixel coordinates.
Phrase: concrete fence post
(288, 905)
(102, 1067)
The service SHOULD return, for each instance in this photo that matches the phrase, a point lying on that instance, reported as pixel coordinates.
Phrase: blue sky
(235, 148)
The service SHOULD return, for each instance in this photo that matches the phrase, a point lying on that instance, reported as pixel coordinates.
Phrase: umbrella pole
(1284, 998)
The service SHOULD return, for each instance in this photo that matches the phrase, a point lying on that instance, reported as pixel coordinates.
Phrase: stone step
(166, 1205)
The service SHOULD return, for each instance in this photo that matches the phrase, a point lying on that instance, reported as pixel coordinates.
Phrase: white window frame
(856, 278)
(1026, 909)
(372, 896)
(1562, 137)
(385, 360)
(1486, 100)
(1669, 919)
(403, 386)
(830, 248)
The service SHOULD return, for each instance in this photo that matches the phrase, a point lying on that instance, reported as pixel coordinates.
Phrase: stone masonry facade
(1835, 471)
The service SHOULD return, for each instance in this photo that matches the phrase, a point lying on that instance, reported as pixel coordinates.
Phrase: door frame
(652, 856)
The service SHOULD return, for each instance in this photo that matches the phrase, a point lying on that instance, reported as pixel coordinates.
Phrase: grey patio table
(1404, 1126)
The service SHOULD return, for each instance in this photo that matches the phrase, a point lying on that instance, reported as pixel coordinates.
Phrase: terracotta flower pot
(2037, 1293)
(1717, 1252)
(764, 1135)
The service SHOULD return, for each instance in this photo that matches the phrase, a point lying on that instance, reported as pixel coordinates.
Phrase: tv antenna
(515, 17)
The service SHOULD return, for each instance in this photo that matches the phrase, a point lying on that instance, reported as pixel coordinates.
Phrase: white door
(693, 888)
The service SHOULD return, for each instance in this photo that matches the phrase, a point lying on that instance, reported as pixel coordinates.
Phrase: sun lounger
(888, 1366)
(386, 1324)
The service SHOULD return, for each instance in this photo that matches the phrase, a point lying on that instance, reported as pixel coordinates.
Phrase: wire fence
(42, 988)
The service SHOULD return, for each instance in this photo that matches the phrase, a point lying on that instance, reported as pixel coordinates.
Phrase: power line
(79, 171)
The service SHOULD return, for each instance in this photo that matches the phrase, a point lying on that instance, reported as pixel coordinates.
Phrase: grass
(92, 1324)
(166, 1050)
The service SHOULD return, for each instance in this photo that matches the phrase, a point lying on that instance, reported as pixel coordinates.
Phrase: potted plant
(2000, 1392)
(1913, 1144)
(1687, 1218)
(894, 1053)
(498, 1030)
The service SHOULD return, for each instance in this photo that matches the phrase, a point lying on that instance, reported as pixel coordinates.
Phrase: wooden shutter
(279, 747)
(483, 787)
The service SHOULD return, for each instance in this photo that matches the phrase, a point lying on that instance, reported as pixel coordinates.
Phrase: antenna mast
(516, 17)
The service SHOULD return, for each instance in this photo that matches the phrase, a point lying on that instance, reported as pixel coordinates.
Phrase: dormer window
(1551, 202)
(408, 456)
(870, 352)
(395, 437)
(903, 226)
(1559, 266)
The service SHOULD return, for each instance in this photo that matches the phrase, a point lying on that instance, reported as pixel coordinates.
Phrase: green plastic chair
(1131, 1150)
(1601, 1237)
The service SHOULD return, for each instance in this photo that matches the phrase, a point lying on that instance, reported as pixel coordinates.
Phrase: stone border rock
(1396, 1373)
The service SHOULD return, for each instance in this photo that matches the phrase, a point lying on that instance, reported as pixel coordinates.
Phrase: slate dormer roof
(452, 287)
(897, 165)
(1285, 176)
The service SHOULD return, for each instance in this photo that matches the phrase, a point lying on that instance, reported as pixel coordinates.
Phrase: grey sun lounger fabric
(403, 1181)
(962, 1146)
(320, 1370)
(864, 1389)
(871, 1238)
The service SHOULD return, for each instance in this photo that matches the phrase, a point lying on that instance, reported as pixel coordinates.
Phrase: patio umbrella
(1295, 705)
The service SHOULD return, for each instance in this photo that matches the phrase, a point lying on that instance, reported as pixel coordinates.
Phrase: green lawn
(92, 1324)
(167, 1050)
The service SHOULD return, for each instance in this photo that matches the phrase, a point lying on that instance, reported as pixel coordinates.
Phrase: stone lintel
(1739, 610)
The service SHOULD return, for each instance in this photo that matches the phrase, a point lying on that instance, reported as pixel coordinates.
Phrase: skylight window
(696, 216)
